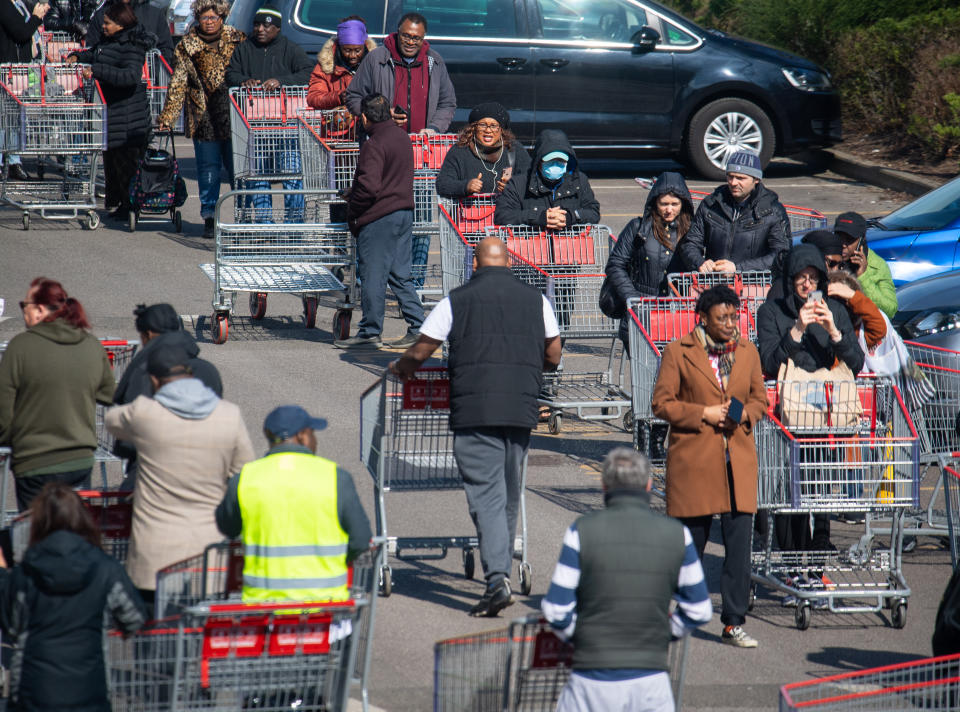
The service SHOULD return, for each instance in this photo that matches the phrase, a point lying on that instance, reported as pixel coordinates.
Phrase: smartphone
(507, 173)
(815, 296)
(399, 110)
(735, 411)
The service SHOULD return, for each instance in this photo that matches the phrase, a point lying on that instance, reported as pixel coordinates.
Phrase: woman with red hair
(51, 378)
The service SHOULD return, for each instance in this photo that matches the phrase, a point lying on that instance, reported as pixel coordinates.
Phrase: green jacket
(51, 378)
(877, 284)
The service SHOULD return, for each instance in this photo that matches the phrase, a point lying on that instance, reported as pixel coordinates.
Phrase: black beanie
(824, 240)
(158, 318)
(491, 110)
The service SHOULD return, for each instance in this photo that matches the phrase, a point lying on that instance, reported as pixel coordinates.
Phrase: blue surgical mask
(553, 170)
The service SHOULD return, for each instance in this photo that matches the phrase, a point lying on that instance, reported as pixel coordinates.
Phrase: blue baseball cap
(556, 155)
(288, 420)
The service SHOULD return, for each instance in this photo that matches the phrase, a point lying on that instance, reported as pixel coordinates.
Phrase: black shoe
(208, 228)
(494, 600)
(15, 171)
(122, 213)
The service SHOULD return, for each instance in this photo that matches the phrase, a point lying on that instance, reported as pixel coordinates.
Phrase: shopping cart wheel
(258, 305)
(898, 615)
(219, 326)
(628, 421)
(469, 563)
(26, 221)
(526, 578)
(177, 221)
(341, 326)
(386, 581)
(802, 615)
(555, 424)
(132, 221)
(310, 312)
(93, 220)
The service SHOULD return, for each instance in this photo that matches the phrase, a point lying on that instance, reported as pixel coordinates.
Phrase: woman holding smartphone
(710, 390)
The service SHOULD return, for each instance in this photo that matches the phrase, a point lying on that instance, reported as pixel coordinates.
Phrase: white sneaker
(737, 637)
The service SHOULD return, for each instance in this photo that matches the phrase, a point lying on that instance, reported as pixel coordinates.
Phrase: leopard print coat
(198, 85)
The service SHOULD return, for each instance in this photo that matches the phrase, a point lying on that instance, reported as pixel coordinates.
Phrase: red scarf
(414, 77)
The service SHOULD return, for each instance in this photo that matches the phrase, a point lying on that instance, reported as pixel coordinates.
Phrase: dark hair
(122, 14)
(58, 507)
(376, 108)
(158, 318)
(351, 17)
(51, 294)
(416, 18)
(720, 294)
(660, 231)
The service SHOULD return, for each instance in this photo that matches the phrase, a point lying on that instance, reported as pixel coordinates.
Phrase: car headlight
(807, 79)
(932, 321)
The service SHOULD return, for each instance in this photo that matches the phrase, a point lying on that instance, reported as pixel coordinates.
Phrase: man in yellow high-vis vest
(299, 515)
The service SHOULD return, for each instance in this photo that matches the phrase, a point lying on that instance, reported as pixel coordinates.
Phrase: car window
(603, 20)
(933, 211)
(675, 37)
(325, 14)
(465, 18)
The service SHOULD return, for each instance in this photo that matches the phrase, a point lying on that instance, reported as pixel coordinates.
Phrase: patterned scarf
(726, 351)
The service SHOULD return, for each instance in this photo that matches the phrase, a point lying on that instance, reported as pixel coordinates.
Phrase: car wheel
(726, 126)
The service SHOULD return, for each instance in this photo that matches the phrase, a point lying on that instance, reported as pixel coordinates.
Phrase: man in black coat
(553, 194)
(153, 19)
(739, 227)
(380, 214)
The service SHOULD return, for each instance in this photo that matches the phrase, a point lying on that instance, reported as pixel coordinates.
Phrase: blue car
(922, 238)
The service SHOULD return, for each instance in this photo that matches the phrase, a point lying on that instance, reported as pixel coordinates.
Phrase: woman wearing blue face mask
(553, 194)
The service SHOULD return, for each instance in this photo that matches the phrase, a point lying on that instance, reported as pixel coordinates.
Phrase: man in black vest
(614, 604)
(502, 335)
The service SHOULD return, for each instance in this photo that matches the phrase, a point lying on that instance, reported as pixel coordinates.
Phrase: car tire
(718, 122)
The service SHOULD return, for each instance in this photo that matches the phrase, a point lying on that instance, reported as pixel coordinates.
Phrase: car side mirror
(645, 39)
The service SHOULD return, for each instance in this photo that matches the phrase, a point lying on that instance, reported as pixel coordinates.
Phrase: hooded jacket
(282, 59)
(117, 63)
(198, 85)
(330, 79)
(375, 76)
(750, 234)
(151, 18)
(51, 378)
(528, 195)
(54, 606)
(776, 317)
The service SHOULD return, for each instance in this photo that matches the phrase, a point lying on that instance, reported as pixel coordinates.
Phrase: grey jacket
(375, 76)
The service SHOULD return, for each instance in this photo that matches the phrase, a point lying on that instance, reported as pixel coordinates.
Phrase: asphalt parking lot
(278, 361)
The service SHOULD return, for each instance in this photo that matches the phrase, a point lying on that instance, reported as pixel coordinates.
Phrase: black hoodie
(777, 316)
(528, 195)
(54, 606)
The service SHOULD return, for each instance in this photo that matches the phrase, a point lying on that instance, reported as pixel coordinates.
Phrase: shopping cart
(55, 46)
(214, 575)
(950, 473)
(50, 113)
(747, 284)
(407, 446)
(802, 220)
(463, 223)
(157, 75)
(520, 669)
(928, 684)
(865, 461)
(329, 149)
(266, 135)
(303, 259)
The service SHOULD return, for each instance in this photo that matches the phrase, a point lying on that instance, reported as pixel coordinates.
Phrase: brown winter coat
(198, 82)
(329, 80)
(696, 474)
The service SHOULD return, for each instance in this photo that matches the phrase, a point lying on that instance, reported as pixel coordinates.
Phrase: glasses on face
(411, 39)
(834, 264)
(492, 127)
(808, 278)
(211, 18)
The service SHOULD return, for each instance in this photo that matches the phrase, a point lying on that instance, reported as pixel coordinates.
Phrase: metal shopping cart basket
(845, 452)
(802, 220)
(55, 46)
(463, 222)
(303, 259)
(50, 113)
(266, 135)
(329, 149)
(157, 74)
(747, 284)
(928, 684)
(520, 669)
(407, 446)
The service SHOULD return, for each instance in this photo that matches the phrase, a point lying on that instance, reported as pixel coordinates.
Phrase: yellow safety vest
(294, 546)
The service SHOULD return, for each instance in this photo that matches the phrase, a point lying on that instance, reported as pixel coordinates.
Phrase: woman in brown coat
(711, 458)
(202, 57)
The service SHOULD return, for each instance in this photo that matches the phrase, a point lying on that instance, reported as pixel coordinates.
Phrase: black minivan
(615, 75)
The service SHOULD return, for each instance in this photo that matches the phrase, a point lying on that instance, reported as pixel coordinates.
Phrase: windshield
(933, 211)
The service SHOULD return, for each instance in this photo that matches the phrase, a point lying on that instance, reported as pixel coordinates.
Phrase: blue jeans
(383, 256)
(286, 160)
(210, 156)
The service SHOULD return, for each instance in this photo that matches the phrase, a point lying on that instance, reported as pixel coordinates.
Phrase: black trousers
(736, 529)
(29, 487)
(119, 166)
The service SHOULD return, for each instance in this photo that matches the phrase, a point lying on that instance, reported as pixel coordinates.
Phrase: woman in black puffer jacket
(117, 63)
